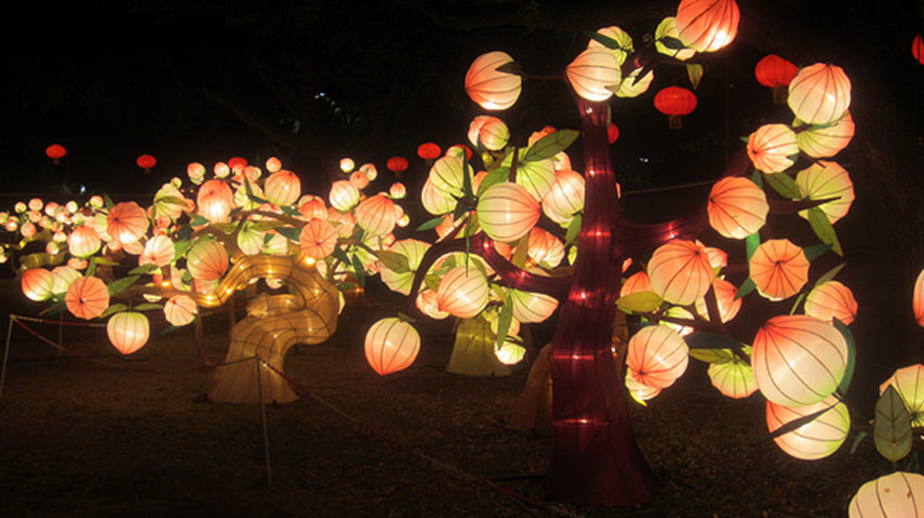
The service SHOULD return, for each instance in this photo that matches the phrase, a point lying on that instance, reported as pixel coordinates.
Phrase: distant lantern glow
(707, 25)
(128, 331)
(773, 148)
(909, 383)
(126, 222)
(917, 48)
(397, 165)
(895, 495)
(347, 165)
(816, 439)
(612, 133)
(146, 162)
(593, 73)
(827, 180)
(463, 292)
(798, 360)
(826, 140)
(779, 269)
(207, 260)
(491, 88)
(675, 102)
(391, 345)
(196, 172)
(87, 297)
(282, 188)
(506, 211)
(429, 151)
(180, 310)
(318, 238)
(737, 207)
(215, 200)
(680, 271)
(273, 164)
(820, 93)
(55, 152)
(832, 300)
(657, 356)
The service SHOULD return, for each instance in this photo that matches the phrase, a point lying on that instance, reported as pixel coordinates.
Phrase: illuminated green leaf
(823, 229)
(640, 302)
(550, 145)
(892, 426)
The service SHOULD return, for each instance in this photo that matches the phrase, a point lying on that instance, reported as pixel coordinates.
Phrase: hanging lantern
(827, 180)
(196, 172)
(435, 201)
(896, 495)
(343, 195)
(544, 248)
(282, 188)
(593, 72)
(639, 391)
(426, 303)
(207, 260)
(537, 176)
(463, 292)
(826, 140)
(146, 162)
(63, 277)
(773, 148)
(816, 439)
(612, 133)
(909, 383)
(779, 269)
(918, 299)
(55, 152)
(707, 25)
(128, 331)
(397, 165)
(37, 284)
(680, 271)
(819, 93)
(84, 241)
(344, 222)
(675, 102)
(775, 72)
(506, 211)
(657, 356)
(428, 151)
(391, 345)
(565, 198)
(370, 171)
(798, 360)
(734, 378)
(529, 307)
(737, 207)
(726, 295)
(87, 297)
(831, 300)
(126, 222)
(215, 201)
(159, 250)
(491, 88)
(917, 48)
(376, 214)
(318, 239)
(180, 310)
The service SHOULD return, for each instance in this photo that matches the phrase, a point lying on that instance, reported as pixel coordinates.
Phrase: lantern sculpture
(493, 134)
(831, 300)
(819, 93)
(55, 152)
(826, 180)
(909, 383)
(680, 271)
(126, 222)
(180, 310)
(593, 73)
(667, 30)
(657, 356)
(826, 140)
(84, 241)
(707, 25)
(900, 494)
(639, 391)
(816, 439)
(317, 239)
(775, 72)
(507, 212)
(798, 360)
(87, 297)
(675, 102)
(128, 331)
(491, 88)
(146, 162)
(428, 151)
(37, 284)
(391, 345)
(737, 207)
(215, 200)
(565, 198)
(282, 188)
(463, 292)
(207, 261)
(773, 148)
(343, 195)
(917, 48)
(779, 269)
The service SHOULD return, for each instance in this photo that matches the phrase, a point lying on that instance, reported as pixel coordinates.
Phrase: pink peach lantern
(377, 215)
(895, 495)
(282, 188)
(593, 73)
(491, 88)
(207, 260)
(657, 356)
(317, 239)
(779, 269)
(128, 331)
(544, 248)
(639, 391)
(215, 200)
(87, 297)
(463, 292)
(126, 222)
(831, 300)
(565, 198)
(158, 250)
(37, 284)
(180, 310)
(727, 300)
(820, 93)
(506, 211)
(707, 25)
(637, 282)
(391, 345)
(734, 378)
(680, 271)
(816, 439)
(773, 147)
(737, 207)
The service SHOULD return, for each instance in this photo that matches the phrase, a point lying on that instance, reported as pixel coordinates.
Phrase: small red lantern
(146, 162)
(55, 152)
(397, 165)
(775, 72)
(675, 102)
(612, 133)
(917, 49)
(429, 151)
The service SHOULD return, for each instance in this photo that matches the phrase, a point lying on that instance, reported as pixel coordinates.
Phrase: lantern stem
(674, 122)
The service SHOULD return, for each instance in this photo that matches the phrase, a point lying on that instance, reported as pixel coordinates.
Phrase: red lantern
(55, 152)
(428, 151)
(917, 49)
(391, 345)
(237, 164)
(146, 162)
(126, 222)
(128, 331)
(707, 25)
(491, 88)
(612, 133)
(675, 102)
(397, 165)
(775, 72)
(779, 269)
(87, 297)
(820, 93)
(918, 299)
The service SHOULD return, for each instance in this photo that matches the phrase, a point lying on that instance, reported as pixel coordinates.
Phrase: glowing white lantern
(128, 331)
(506, 211)
(207, 260)
(180, 310)
(816, 439)
(37, 283)
(491, 88)
(376, 214)
(737, 207)
(680, 271)
(343, 195)
(831, 300)
(463, 292)
(819, 93)
(657, 356)
(734, 378)
(593, 72)
(391, 345)
(897, 495)
(565, 198)
(529, 307)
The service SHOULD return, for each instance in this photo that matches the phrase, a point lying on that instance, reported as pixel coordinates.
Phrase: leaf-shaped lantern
(826, 140)
(825, 180)
(657, 356)
(87, 297)
(128, 331)
(707, 25)
(680, 271)
(317, 239)
(894, 495)
(831, 300)
(819, 437)
(773, 147)
(506, 211)
(593, 72)
(779, 269)
(737, 207)
(391, 345)
(126, 222)
(820, 93)
(207, 260)
(491, 88)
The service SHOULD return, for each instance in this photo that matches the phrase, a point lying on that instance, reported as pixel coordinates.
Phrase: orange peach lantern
(826, 140)
(84, 241)
(727, 300)
(737, 207)
(773, 148)
(55, 152)
(391, 345)
(128, 331)
(565, 198)
(401, 281)
(657, 356)
(491, 88)
(207, 260)
(680, 271)
(775, 72)
(675, 102)
(126, 222)
(827, 180)
(215, 200)
(894, 495)
(343, 195)
(507, 211)
(180, 310)
(918, 299)
(87, 297)
(593, 73)
(639, 391)
(798, 360)
(318, 238)
(544, 248)
(819, 93)
(146, 162)
(463, 292)
(831, 300)
(529, 307)
(282, 188)
(636, 283)
(377, 215)
(37, 283)
(159, 250)
(816, 439)
(707, 25)
(779, 269)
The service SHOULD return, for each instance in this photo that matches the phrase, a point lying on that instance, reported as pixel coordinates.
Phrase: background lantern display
(391, 345)
(675, 102)
(428, 151)
(146, 162)
(397, 165)
(37, 284)
(128, 331)
(55, 152)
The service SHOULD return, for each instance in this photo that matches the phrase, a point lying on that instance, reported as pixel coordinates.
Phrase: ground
(101, 435)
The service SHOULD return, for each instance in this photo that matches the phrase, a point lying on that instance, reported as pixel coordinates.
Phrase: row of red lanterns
(56, 152)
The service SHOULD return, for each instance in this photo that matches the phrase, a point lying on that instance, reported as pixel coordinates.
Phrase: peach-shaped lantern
(87, 297)
(918, 299)
(491, 88)
(426, 303)
(779, 269)
(826, 140)
(317, 239)
(657, 356)
(463, 292)
(775, 72)
(827, 180)
(343, 195)
(636, 283)
(734, 378)
(377, 215)
(435, 201)
(727, 300)
(207, 260)
(773, 148)
(128, 331)
(680, 271)
(391, 345)
(159, 250)
(493, 134)
(447, 176)
(707, 25)
(544, 248)
(817, 439)
(146, 162)
(639, 391)
(565, 198)
(401, 281)
(737, 207)
(537, 176)
(196, 172)
(530, 307)
(359, 180)
(898, 494)
(37, 283)
(798, 360)
(820, 93)
(215, 200)
(344, 222)
(126, 222)
(831, 300)
(282, 188)
(506, 211)
(909, 383)
(675, 102)
(63, 276)
(593, 73)
(180, 310)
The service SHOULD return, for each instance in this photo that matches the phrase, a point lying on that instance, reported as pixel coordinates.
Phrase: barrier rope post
(266, 448)
(6, 354)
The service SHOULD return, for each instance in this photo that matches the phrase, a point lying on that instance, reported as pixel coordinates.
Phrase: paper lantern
(377, 215)
(898, 495)
(909, 383)
(159, 250)
(798, 360)
(773, 148)
(636, 283)
(737, 207)
(593, 73)
(537, 176)
(917, 48)
(397, 165)
(918, 299)
(612, 133)
(215, 201)
(63, 277)
(84, 241)
(667, 29)
(817, 439)
(657, 356)
(509, 353)
(196, 172)
(317, 239)
(463, 292)
(435, 201)
(639, 391)
(347, 165)
(207, 260)
(397, 190)
(491, 88)
(506, 211)
(819, 93)
(680, 271)
(344, 222)
(427, 304)
(180, 310)
(359, 180)
(37, 283)
(282, 188)
(779, 269)
(391, 345)
(544, 248)
(618, 36)
(401, 281)
(428, 151)
(565, 198)
(126, 222)
(826, 180)
(493, 134)
(775, 72)
(734, 378)
(675, 102)
(128, 331)
(87, 297)
(707, 25)
(826, 140)
(831, 300)
(55, 152)
(529, 307)
(447, 176)
(343, 195)
(146, 162)
(727, 300)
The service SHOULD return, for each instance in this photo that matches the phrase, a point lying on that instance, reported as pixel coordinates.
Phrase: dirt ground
(101, 435)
